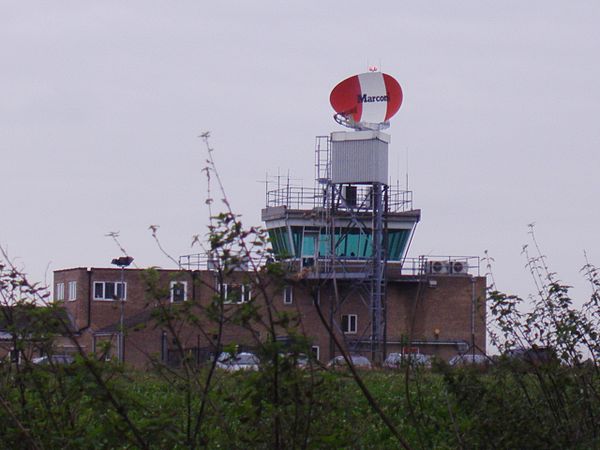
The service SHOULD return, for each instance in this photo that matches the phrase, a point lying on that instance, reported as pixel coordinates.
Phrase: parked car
(358, 361)
(303, 361)
(54, 359)
(534, 355)
(300, 360)
(237, 362)
(396, 360)
(469, 359)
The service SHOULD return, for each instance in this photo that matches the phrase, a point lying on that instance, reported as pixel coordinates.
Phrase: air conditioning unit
(459, 267)
(437, 267)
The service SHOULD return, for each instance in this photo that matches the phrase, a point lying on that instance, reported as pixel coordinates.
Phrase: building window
(235, 293)
(288, 295)
(72, 290)
(109, 290)
(315, 351)
(178, 291)
(60, 291)
(349, 323)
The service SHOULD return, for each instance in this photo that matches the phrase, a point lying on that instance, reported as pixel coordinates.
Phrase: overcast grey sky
(101, 104)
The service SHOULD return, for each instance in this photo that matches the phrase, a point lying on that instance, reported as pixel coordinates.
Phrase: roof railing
(422, 265)
(300, 197)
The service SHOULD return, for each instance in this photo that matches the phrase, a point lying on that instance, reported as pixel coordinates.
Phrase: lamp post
(122, 262)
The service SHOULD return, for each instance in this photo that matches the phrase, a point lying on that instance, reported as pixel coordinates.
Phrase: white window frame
(60, 291)
(103, 297)
(72, 290)
(288, 294)
(316, 352)
(172, 290)
(246, 292)
(349, 322)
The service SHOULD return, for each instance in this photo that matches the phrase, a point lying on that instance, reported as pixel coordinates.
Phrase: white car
(396, 360)
(53, 359)
(237, 362)
(469, 359)
(360, 362)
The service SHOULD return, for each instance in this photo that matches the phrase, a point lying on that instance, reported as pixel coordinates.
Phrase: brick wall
(440, 310)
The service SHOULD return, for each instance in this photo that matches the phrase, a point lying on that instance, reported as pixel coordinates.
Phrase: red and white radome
(371, 97)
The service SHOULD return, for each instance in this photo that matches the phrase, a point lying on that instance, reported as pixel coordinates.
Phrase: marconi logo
(370, 99)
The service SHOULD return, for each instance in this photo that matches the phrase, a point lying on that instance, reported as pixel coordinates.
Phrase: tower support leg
(377, 280)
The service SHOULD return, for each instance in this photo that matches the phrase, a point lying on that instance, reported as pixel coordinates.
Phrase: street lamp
(122, 262)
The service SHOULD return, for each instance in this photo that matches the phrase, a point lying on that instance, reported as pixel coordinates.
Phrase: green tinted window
(397, 240)
(352, 243)
(280, 242)
(324, 245)
(309, 244)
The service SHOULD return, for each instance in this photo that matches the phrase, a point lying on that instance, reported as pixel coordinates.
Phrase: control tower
(352, 227)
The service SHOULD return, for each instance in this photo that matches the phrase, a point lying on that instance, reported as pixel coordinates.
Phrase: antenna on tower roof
(407, 168)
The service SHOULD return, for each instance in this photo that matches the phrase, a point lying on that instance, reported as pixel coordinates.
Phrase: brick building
(343, 247)
(438, 314)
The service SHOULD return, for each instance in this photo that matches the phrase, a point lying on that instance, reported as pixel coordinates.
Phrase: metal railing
(295, 197)
(399, 200)
(422, 265)
(415, 267)
(204, 261)
(441, 265)
(196, 261)
(299, 197)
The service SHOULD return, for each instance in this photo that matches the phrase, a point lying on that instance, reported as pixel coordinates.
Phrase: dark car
(534, 355)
